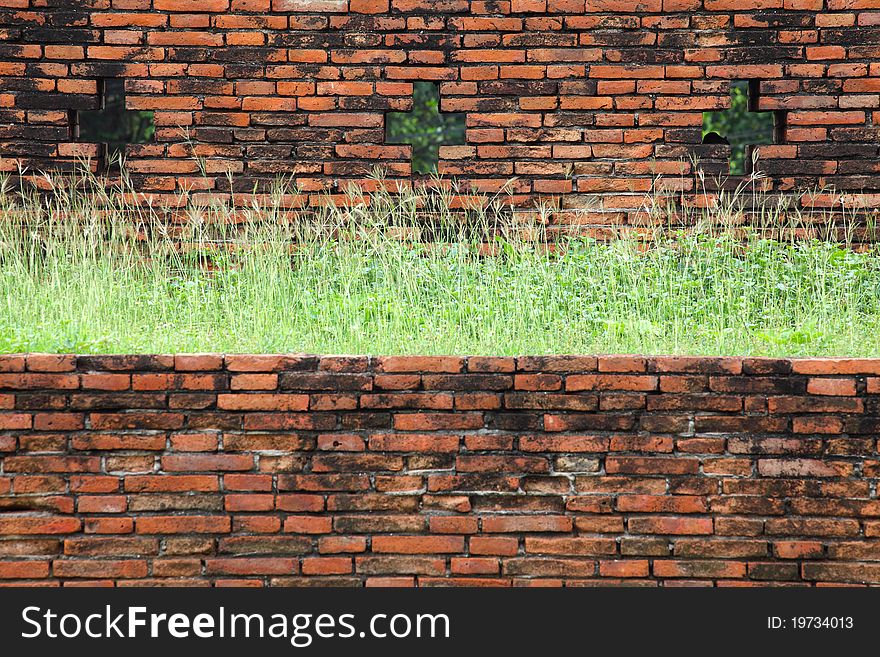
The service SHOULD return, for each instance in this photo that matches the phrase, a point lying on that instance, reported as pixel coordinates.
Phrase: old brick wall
(571, 97)
(298, 470)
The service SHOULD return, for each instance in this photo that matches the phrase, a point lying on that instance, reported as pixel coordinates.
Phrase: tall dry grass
(85, 269)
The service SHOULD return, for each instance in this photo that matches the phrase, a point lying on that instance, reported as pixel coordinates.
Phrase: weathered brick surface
(569, 470)
(570, 97)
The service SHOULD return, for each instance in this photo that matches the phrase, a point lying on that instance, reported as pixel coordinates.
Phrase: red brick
(798, 549)
(568, 444)
(420, 364)
(835, 366)
(611, 382)
(327, 566)
(23, 525)
(263, 402)
(557, 364)
(108, 526)
(51, 362)
(802, 468)
(418, 544)
(699, 569)
(337, 544)
(47, 463)
(12, 421)
(651, 465)
(24, 569)
(831, 386)
(106, 381)
(494, 545)
(474, 566)
(627, 568)
(101, 504)
(122, 569)
(251, 566)
(254, 382)
(137, 421)
(255, 502)
(171, 483)
(580, 546)
(538, 382)
(622, 364)
(437, 421)
(307, 525)
(414, 443)
(198, 362)
(207, 462)
(265, 363)
(670, 525)
(182, 525)
(493, 524)
(299, 502)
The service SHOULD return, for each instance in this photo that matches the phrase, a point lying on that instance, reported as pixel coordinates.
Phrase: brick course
(306, 470)
(571, 97)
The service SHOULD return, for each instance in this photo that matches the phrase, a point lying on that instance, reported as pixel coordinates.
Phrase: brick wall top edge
(623, 363)
(561, 99)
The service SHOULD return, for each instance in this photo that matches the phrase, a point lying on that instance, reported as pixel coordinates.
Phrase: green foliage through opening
(113, 124)
(741, 127)
(425, 128)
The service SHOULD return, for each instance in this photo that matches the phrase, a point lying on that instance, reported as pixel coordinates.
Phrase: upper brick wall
(572, 97)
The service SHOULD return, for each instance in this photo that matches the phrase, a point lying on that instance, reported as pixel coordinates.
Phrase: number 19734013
(810, 623)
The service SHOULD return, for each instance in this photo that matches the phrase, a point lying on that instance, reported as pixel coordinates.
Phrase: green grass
(360, 280)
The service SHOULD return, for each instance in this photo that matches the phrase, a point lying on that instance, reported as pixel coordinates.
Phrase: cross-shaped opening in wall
(425, 127)
(743, 126)
(112, 126)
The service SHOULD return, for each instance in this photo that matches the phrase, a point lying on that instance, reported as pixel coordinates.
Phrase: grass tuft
(85, 270)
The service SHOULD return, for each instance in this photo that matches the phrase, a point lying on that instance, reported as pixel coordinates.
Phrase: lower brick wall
(306, 470)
